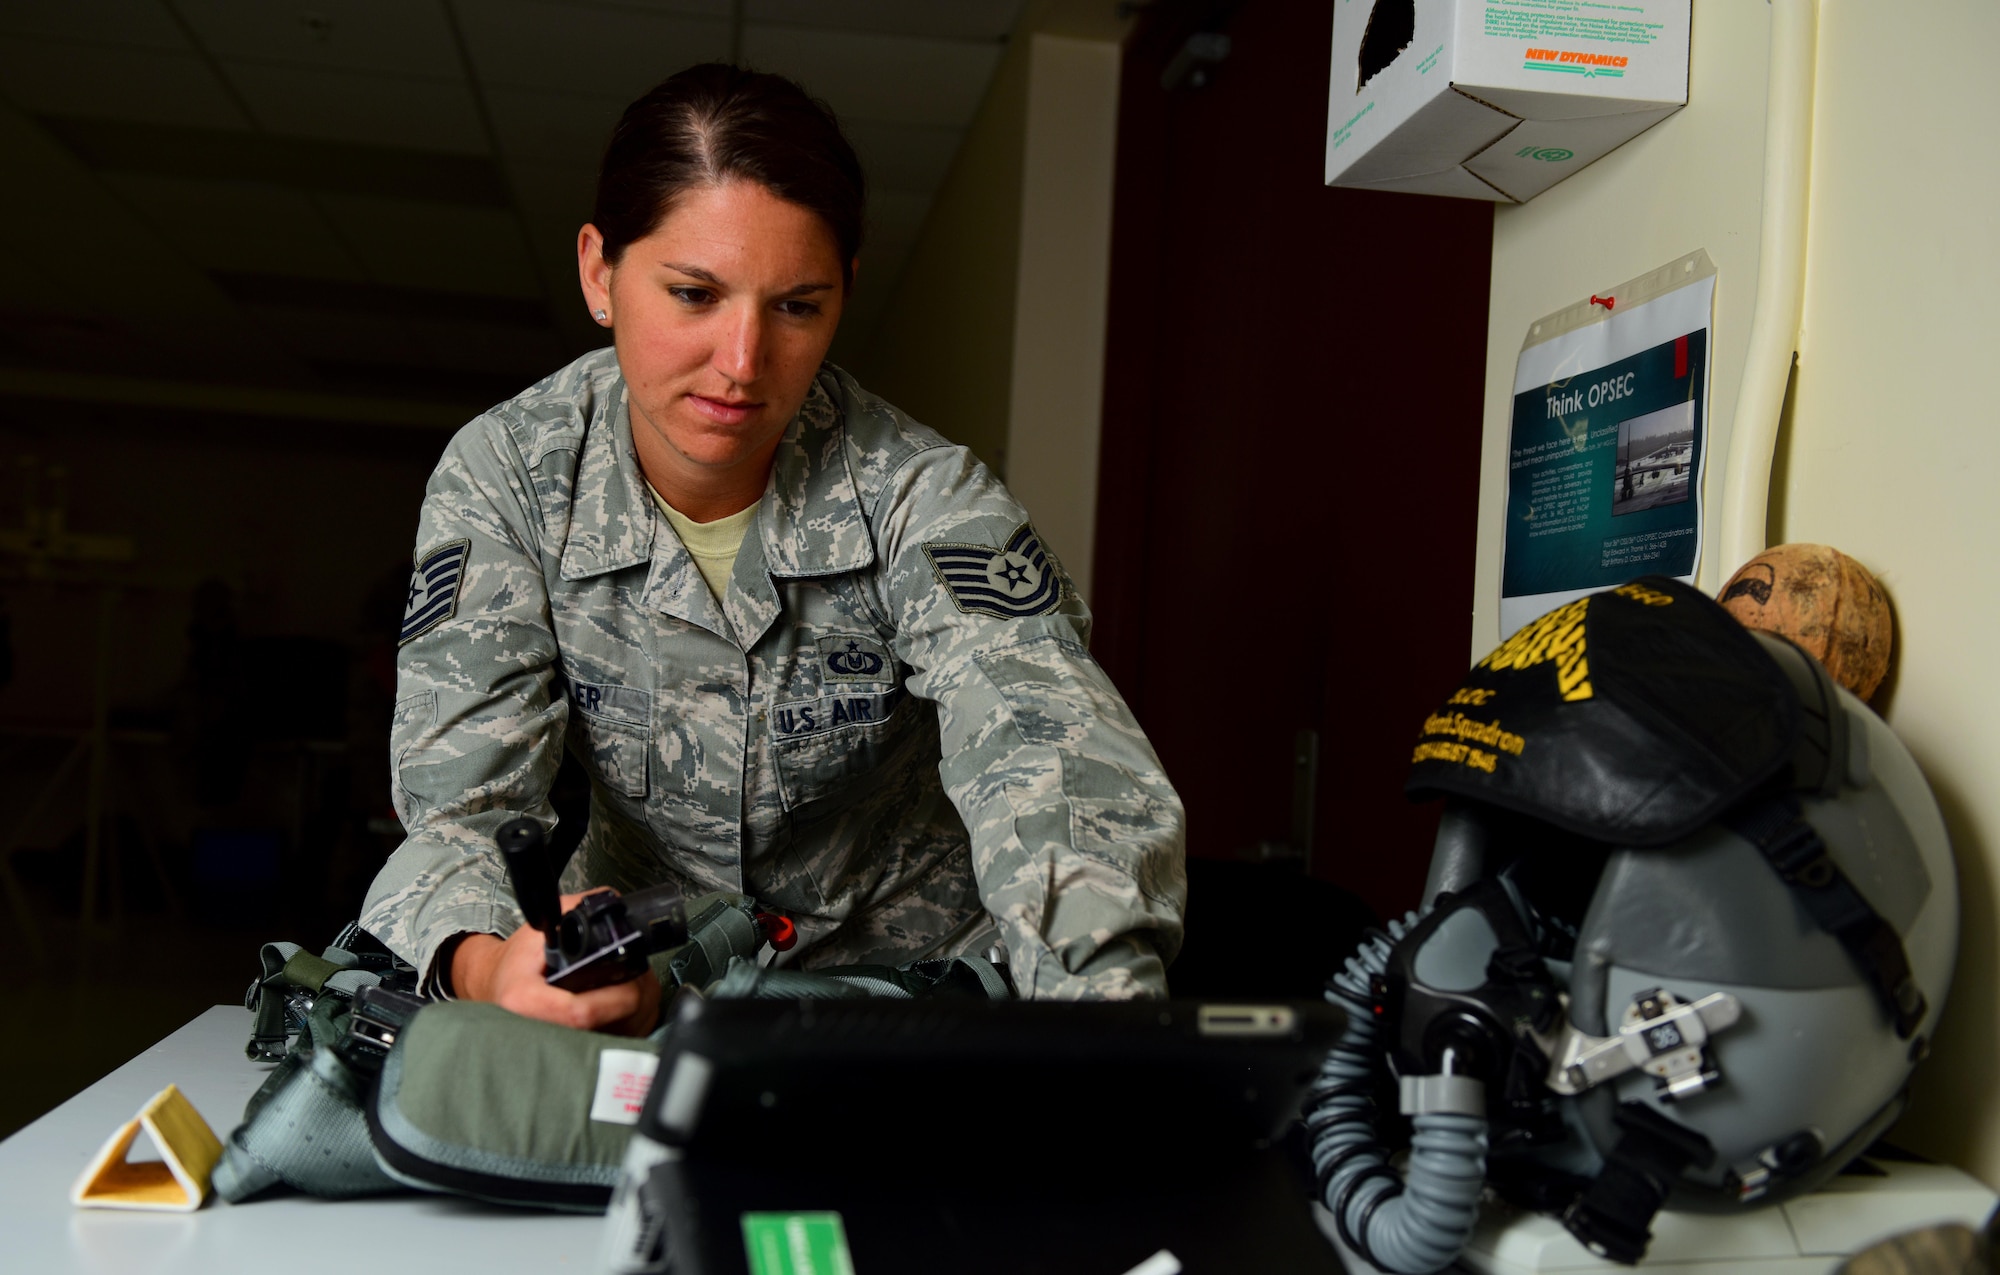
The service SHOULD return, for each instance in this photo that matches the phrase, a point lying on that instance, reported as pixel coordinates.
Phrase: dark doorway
(1290, 480)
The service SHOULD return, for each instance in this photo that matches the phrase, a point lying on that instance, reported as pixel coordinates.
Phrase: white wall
(1062, 293)
(1891, 449)
(1694, 181)
(995, 336)
(1893, 445)
(943, 348)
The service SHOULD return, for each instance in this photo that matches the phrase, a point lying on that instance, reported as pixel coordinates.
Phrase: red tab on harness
(778, 931)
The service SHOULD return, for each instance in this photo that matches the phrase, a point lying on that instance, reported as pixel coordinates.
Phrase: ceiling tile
(410, 36)
(904, 156)
(238, 225)
(952, 19)
(423, 245)
(537, 126)
(132, 273)
(891, 78)
(49, 77)
(345, 106)
(613, 53)
(119, 146)
(691, 8)
(144, 23)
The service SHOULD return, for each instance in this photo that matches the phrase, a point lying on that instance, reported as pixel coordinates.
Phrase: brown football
(1823, 600)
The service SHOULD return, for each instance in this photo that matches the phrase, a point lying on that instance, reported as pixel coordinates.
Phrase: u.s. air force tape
(434, 589)
(1008, 583)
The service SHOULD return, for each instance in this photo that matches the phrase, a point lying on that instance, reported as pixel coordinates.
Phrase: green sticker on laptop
(796, 1244)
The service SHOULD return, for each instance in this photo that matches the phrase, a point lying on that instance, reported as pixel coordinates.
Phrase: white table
(40, 1231)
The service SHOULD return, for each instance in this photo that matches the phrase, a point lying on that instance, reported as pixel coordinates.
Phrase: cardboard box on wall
(1496, 99)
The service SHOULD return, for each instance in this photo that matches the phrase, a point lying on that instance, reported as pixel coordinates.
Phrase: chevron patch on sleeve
(1007, 583)
(434, 589)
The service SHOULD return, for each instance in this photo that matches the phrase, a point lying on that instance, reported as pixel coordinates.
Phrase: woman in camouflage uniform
(807, 650)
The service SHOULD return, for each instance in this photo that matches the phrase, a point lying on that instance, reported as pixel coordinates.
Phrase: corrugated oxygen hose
(1412, 1224)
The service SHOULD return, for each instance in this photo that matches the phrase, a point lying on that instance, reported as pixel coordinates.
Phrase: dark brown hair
(714, 122)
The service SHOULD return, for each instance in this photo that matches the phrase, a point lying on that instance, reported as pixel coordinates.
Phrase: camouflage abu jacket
(889, 729)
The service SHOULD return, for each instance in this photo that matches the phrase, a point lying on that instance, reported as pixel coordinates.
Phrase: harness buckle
(1799, 855)
(379, 1014)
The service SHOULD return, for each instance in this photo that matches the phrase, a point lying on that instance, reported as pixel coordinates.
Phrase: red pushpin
(779, 931)
(1606, 302)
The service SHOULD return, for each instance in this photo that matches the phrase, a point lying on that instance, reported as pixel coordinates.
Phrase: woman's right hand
(508, 972)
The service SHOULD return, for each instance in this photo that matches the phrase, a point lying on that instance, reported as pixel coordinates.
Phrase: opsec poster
(1608, 442)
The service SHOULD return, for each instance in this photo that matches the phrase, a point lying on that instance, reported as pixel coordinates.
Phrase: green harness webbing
(307, 1127)
(721, 928)
(292, 982)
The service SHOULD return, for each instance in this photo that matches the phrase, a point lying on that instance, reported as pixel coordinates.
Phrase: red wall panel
(1291, 447)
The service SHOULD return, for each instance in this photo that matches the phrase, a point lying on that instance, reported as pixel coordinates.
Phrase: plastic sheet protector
(1608, 442)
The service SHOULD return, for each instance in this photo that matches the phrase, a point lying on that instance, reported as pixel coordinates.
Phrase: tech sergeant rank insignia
(434, 589)
(1008, 583)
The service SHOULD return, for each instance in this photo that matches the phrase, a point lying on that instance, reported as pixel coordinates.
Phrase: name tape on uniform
(810, 717)
(618, 703)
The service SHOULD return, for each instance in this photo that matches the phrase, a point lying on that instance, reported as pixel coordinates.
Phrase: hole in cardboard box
(1392, 24)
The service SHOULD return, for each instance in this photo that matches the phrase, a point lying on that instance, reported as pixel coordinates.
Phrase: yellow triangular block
(175, 1183)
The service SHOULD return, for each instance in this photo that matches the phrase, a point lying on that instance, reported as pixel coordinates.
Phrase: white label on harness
(623, 1077)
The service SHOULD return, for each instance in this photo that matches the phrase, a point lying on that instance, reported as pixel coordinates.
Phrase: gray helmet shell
(1815, 1050)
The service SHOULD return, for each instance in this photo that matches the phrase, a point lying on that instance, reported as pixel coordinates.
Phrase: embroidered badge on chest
(854, 658)
(1009, 583)
(434, 585)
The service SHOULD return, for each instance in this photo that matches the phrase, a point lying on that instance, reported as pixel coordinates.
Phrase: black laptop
(885, 1137)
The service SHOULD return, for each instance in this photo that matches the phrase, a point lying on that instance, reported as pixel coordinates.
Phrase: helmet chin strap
(1776, 825)
(1614, 1215)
